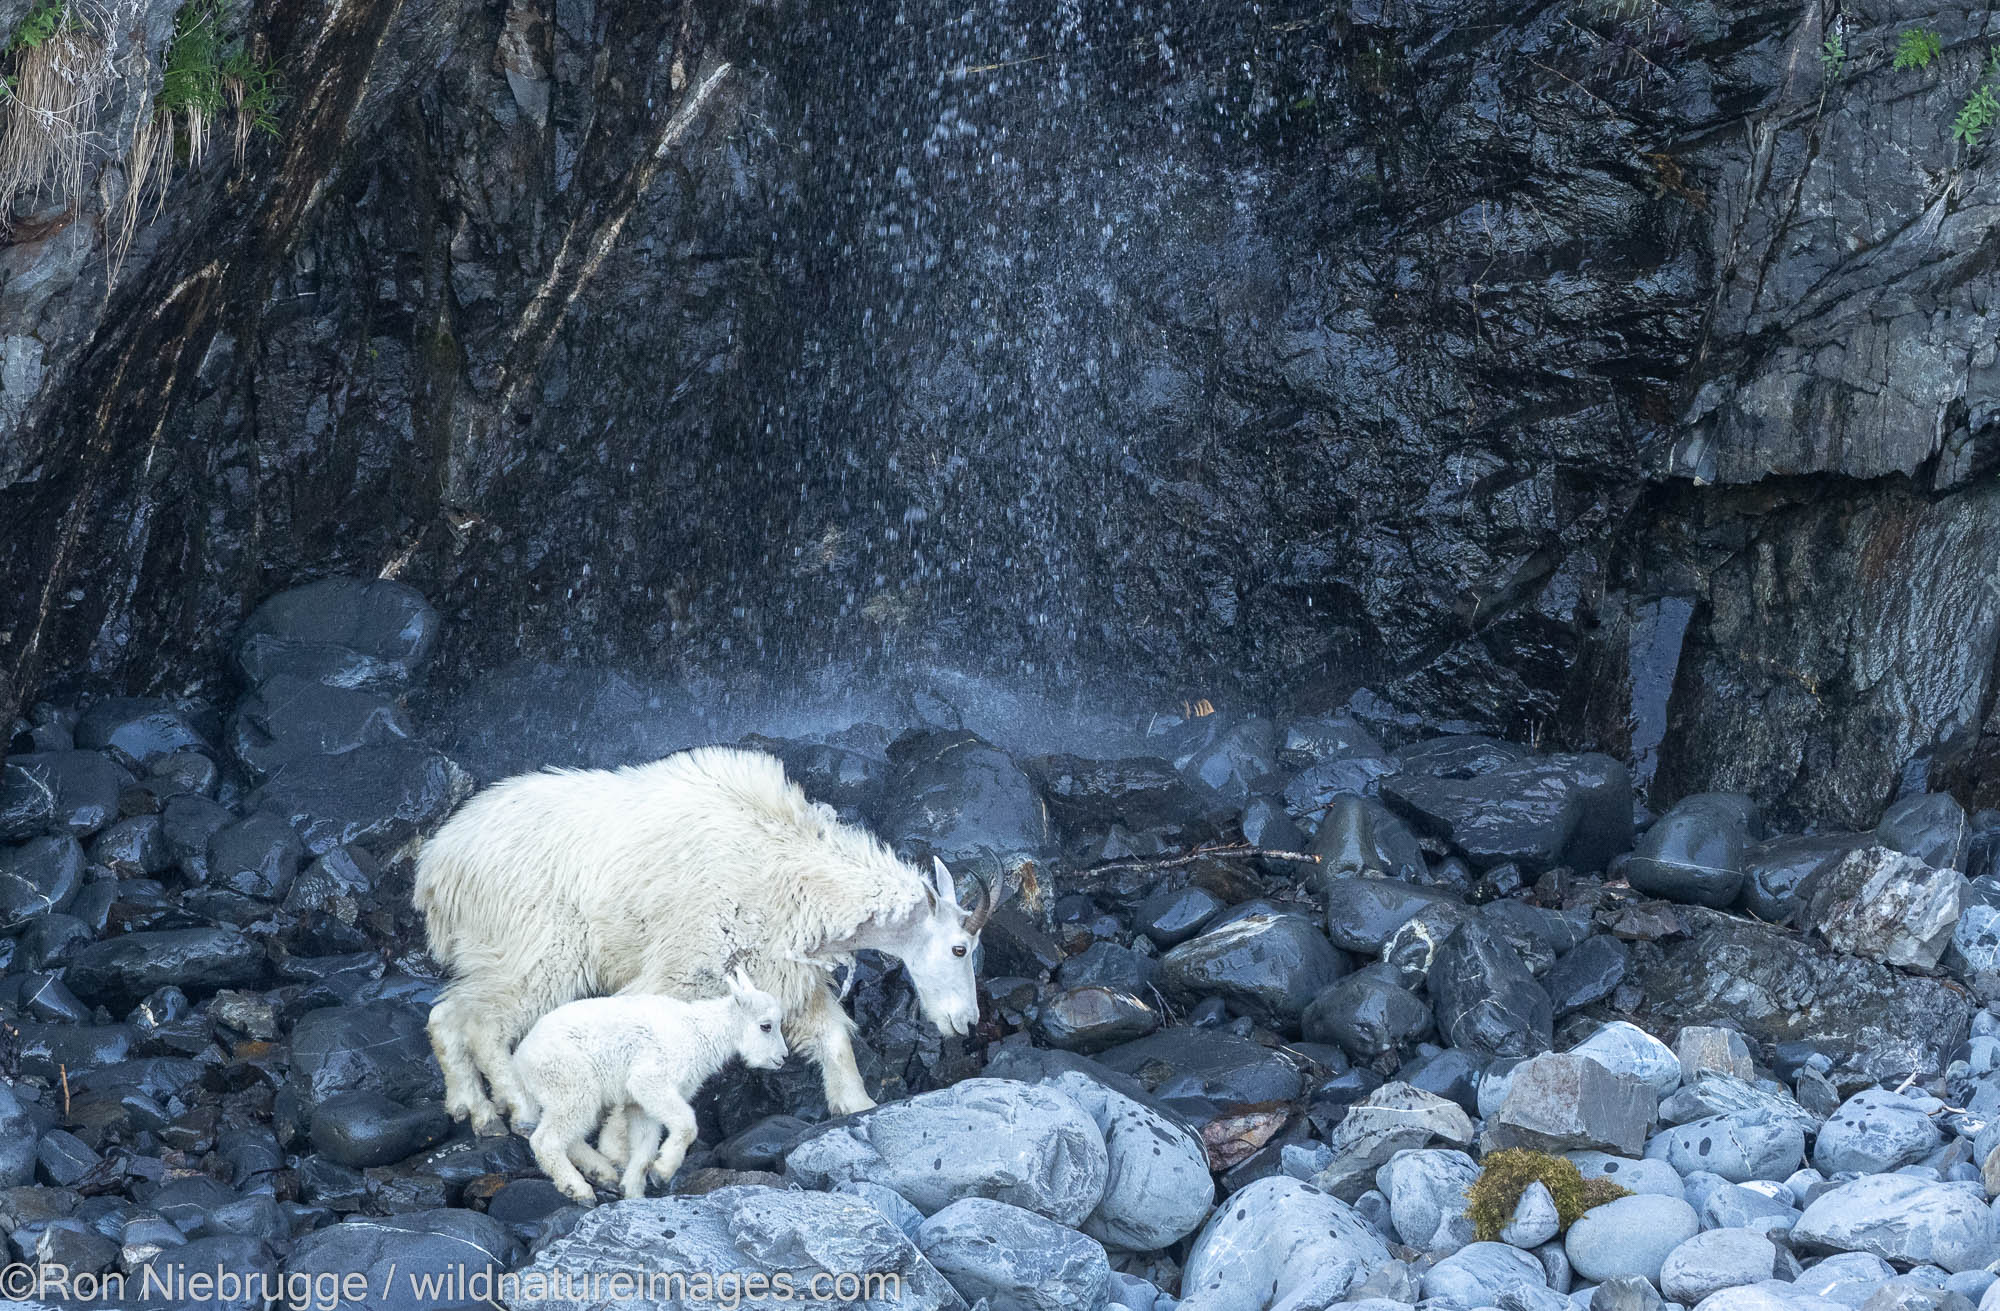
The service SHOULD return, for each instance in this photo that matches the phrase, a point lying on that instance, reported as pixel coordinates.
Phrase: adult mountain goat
(654, 878)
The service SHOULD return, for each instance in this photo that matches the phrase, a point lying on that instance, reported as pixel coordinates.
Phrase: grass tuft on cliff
(55, 68)
(1506, 1174)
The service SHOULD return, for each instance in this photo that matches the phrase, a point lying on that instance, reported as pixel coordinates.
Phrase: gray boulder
(1426, 1192)
(1157, 1187)
(1014, 1259)
(1739, 1146)
(1279, 1243)
(731, 1234)
(1559, 1102)
(1480, 1273)
(394, 1255)
(1395, 1117)
(1885, 906)
(1629, 1236)
(1874, 1132)
(1013, 1142)
(1629, 1049)
(1704, 1049)
(1902, 1218)
(1712, 1261)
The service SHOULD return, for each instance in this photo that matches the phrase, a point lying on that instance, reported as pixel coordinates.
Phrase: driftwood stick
(1240, 851)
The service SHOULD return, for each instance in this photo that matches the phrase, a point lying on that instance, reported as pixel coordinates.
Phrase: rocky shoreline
(1234, 1082)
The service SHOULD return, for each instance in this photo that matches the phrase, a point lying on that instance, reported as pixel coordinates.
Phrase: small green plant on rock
(208, 75)
(1977, 114)
(1917, 48)
(1833, 56)
(1506, 1174)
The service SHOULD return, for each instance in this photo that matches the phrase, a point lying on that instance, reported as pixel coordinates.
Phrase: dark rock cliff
(1614, 373)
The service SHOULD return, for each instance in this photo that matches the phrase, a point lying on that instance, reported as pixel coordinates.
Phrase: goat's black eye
(958, 950)
(765, 1026)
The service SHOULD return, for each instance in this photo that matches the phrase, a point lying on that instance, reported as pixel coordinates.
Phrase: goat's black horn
(982, 908)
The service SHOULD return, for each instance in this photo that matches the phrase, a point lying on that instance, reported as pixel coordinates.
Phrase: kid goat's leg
(642, 1140)
(652, 1089)
(563, 1126)
(825, 1034)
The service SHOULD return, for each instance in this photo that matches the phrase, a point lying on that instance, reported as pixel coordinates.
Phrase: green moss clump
(1505, 1175)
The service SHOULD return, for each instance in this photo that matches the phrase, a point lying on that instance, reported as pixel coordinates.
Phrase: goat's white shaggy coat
(602, 1054)
(654, 878)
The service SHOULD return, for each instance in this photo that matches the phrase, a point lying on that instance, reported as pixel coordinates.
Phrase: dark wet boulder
(1368, 1014)
(1928, 825)
(1269, 967)
(1308, 793)
(1091, 1017)
(1886, 906)
(1460, 755)
(120, 971)
(1779, 988)
(1086, 797)
(1696, 853)
(1537, 935)
(1533, 812)
(1312, 739)
(140, 731)
(344, 632)
(365, 1128)
(27, 802)
(287, 717)
(133, 848)
(1362, 913)
(187, 824)
(1485, 998)
(1109, 965)
(48, 1050)
(39, 877)
(1173, 915)
(954, 795)
(18, 1135)
(380, 1047)
(1359, 835)
(258, 857)
(1589, 972)
(1413, 948)
(83, 787)
(1240, 758)
(1182, 1062)
(372, 796)
(1779, 874)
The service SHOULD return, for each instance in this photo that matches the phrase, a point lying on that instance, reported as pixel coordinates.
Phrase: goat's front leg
(642, 1141)
(826, 1035)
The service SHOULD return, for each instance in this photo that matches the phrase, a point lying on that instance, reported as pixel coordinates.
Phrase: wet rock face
(1421, 441)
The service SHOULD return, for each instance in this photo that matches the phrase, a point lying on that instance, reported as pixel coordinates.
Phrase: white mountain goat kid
(573, 883)
(602, 1054)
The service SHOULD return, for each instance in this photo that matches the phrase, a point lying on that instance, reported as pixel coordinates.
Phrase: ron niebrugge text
(301, 1290)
